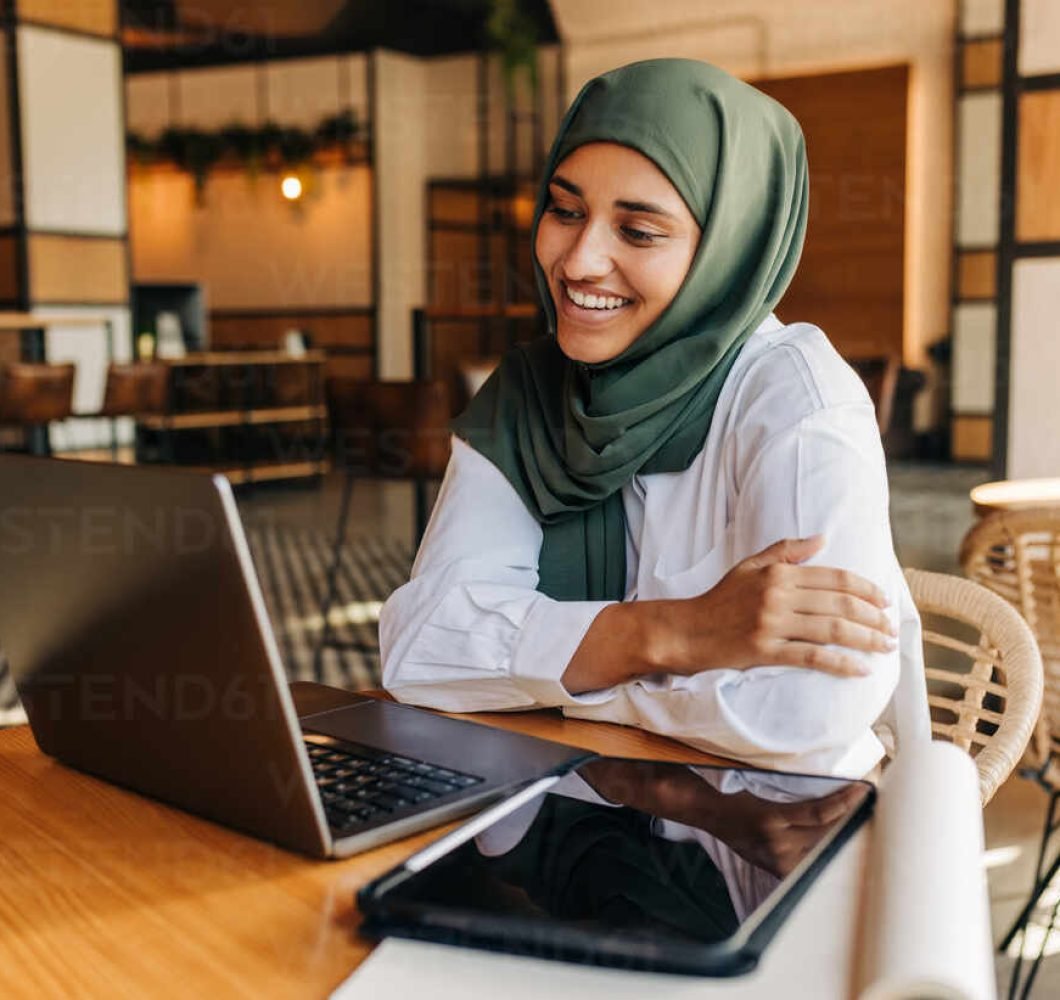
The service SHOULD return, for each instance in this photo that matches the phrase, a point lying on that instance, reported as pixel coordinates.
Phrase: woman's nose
(588, 256)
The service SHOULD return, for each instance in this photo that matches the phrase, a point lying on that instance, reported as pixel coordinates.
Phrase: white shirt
(793, 450)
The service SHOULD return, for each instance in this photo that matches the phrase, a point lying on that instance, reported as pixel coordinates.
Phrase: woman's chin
(591, 348)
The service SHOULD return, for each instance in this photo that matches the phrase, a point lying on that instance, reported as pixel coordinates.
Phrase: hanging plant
(140, 150)
(339, 131)
(245, 146)
(199, 151)
(192, 150)
(513, 33)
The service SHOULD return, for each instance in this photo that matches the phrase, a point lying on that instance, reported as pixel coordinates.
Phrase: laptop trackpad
(462, 746)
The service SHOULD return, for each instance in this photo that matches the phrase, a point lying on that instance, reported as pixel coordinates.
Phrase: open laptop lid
(140, 646)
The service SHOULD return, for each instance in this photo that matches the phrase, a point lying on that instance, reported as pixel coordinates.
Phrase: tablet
(628, 863)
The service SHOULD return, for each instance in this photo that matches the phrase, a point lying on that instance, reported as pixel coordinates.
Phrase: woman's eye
(561, 213)
(640, 236)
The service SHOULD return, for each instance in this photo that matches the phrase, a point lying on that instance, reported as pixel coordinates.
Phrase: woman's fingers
(840, 581)
(828, 604)
(836, 632)
(826, 659)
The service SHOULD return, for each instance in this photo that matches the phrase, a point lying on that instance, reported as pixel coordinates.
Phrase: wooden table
(1015, 494)
(106, 893)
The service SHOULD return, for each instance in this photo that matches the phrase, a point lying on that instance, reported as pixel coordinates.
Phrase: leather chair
(387, 430)
(33, 395)
(133, 389)
(136, 388)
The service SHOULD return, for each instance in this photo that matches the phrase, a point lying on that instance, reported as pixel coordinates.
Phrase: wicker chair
(1017, 555)
(984, 674)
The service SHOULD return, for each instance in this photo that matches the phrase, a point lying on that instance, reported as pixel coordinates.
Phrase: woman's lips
(586, 316)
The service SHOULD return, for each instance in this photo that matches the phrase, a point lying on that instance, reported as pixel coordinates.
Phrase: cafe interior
(288, 240)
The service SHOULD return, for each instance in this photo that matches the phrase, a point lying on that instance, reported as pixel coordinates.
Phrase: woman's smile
(591, 305)
(615, 242)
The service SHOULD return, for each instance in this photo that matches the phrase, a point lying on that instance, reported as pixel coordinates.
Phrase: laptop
(138, 639)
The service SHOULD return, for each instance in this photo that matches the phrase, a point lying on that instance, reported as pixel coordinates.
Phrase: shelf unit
(253, 416)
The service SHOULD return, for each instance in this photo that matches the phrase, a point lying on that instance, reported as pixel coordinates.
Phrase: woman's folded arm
(470, 631)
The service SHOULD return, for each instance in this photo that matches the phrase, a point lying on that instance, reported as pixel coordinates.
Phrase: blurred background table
(1015, 494)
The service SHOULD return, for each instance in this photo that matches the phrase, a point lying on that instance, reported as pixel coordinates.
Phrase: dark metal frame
(1010, 89)
(1041, 883)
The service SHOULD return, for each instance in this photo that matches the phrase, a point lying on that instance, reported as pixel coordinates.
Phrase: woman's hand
(767, 610)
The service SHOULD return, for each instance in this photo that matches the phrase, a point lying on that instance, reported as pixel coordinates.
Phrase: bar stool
(34, 395)
(132, 389)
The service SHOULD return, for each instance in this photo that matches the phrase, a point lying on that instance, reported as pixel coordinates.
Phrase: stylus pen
(474, 827)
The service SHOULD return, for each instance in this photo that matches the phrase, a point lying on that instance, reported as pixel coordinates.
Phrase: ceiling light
(291, 187)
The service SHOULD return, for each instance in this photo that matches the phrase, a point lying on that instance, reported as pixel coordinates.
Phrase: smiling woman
(615, 243)
(633, 500)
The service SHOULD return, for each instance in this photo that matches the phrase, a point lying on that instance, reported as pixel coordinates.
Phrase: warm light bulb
(291, 187)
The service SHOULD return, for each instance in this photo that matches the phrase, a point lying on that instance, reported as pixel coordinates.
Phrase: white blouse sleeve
(469, 632)
(825, 474)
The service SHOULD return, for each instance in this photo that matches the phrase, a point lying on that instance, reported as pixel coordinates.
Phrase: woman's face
(615, 242)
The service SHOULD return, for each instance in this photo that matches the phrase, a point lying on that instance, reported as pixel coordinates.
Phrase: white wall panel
(982, 17)
(213, 98)
(401, 114)
(148, 102)
(1039, 37)
(979, 169)
(974, 333)
(303, 91)
(86, 347)
(73, 144)
(451, 116)
(1034, 417)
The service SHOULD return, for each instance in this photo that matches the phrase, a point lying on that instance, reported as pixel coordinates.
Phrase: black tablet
(628, 863)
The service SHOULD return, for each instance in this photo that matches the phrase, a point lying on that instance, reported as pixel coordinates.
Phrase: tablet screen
(644, 857)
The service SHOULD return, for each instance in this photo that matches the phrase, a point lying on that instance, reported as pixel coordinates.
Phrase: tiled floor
(930, 512)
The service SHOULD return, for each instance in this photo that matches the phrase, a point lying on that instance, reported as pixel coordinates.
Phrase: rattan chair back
(984, 674)
(1017, 555)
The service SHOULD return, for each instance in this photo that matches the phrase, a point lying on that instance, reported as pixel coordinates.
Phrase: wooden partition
(345, 335)
(850, 281)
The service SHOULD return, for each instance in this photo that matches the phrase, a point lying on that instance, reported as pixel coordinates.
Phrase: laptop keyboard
(361, 790)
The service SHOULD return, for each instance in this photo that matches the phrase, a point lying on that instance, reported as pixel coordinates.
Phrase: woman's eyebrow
(629, 206)
(644, 206)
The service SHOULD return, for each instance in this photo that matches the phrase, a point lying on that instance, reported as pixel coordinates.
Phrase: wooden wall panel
(9, 274)
(8, 213)
(1038, 180)
(981, 63)
(266, 330)
(77, 269)
(977, 274)
(347, 336)
(850, 280)
(97, 17)
(972, 439)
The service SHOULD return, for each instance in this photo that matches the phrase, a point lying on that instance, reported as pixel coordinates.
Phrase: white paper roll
(927, 930)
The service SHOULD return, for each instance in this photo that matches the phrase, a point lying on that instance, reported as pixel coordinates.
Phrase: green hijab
(567, 435)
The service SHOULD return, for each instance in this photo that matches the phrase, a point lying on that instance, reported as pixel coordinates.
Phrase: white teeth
(594, 301)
